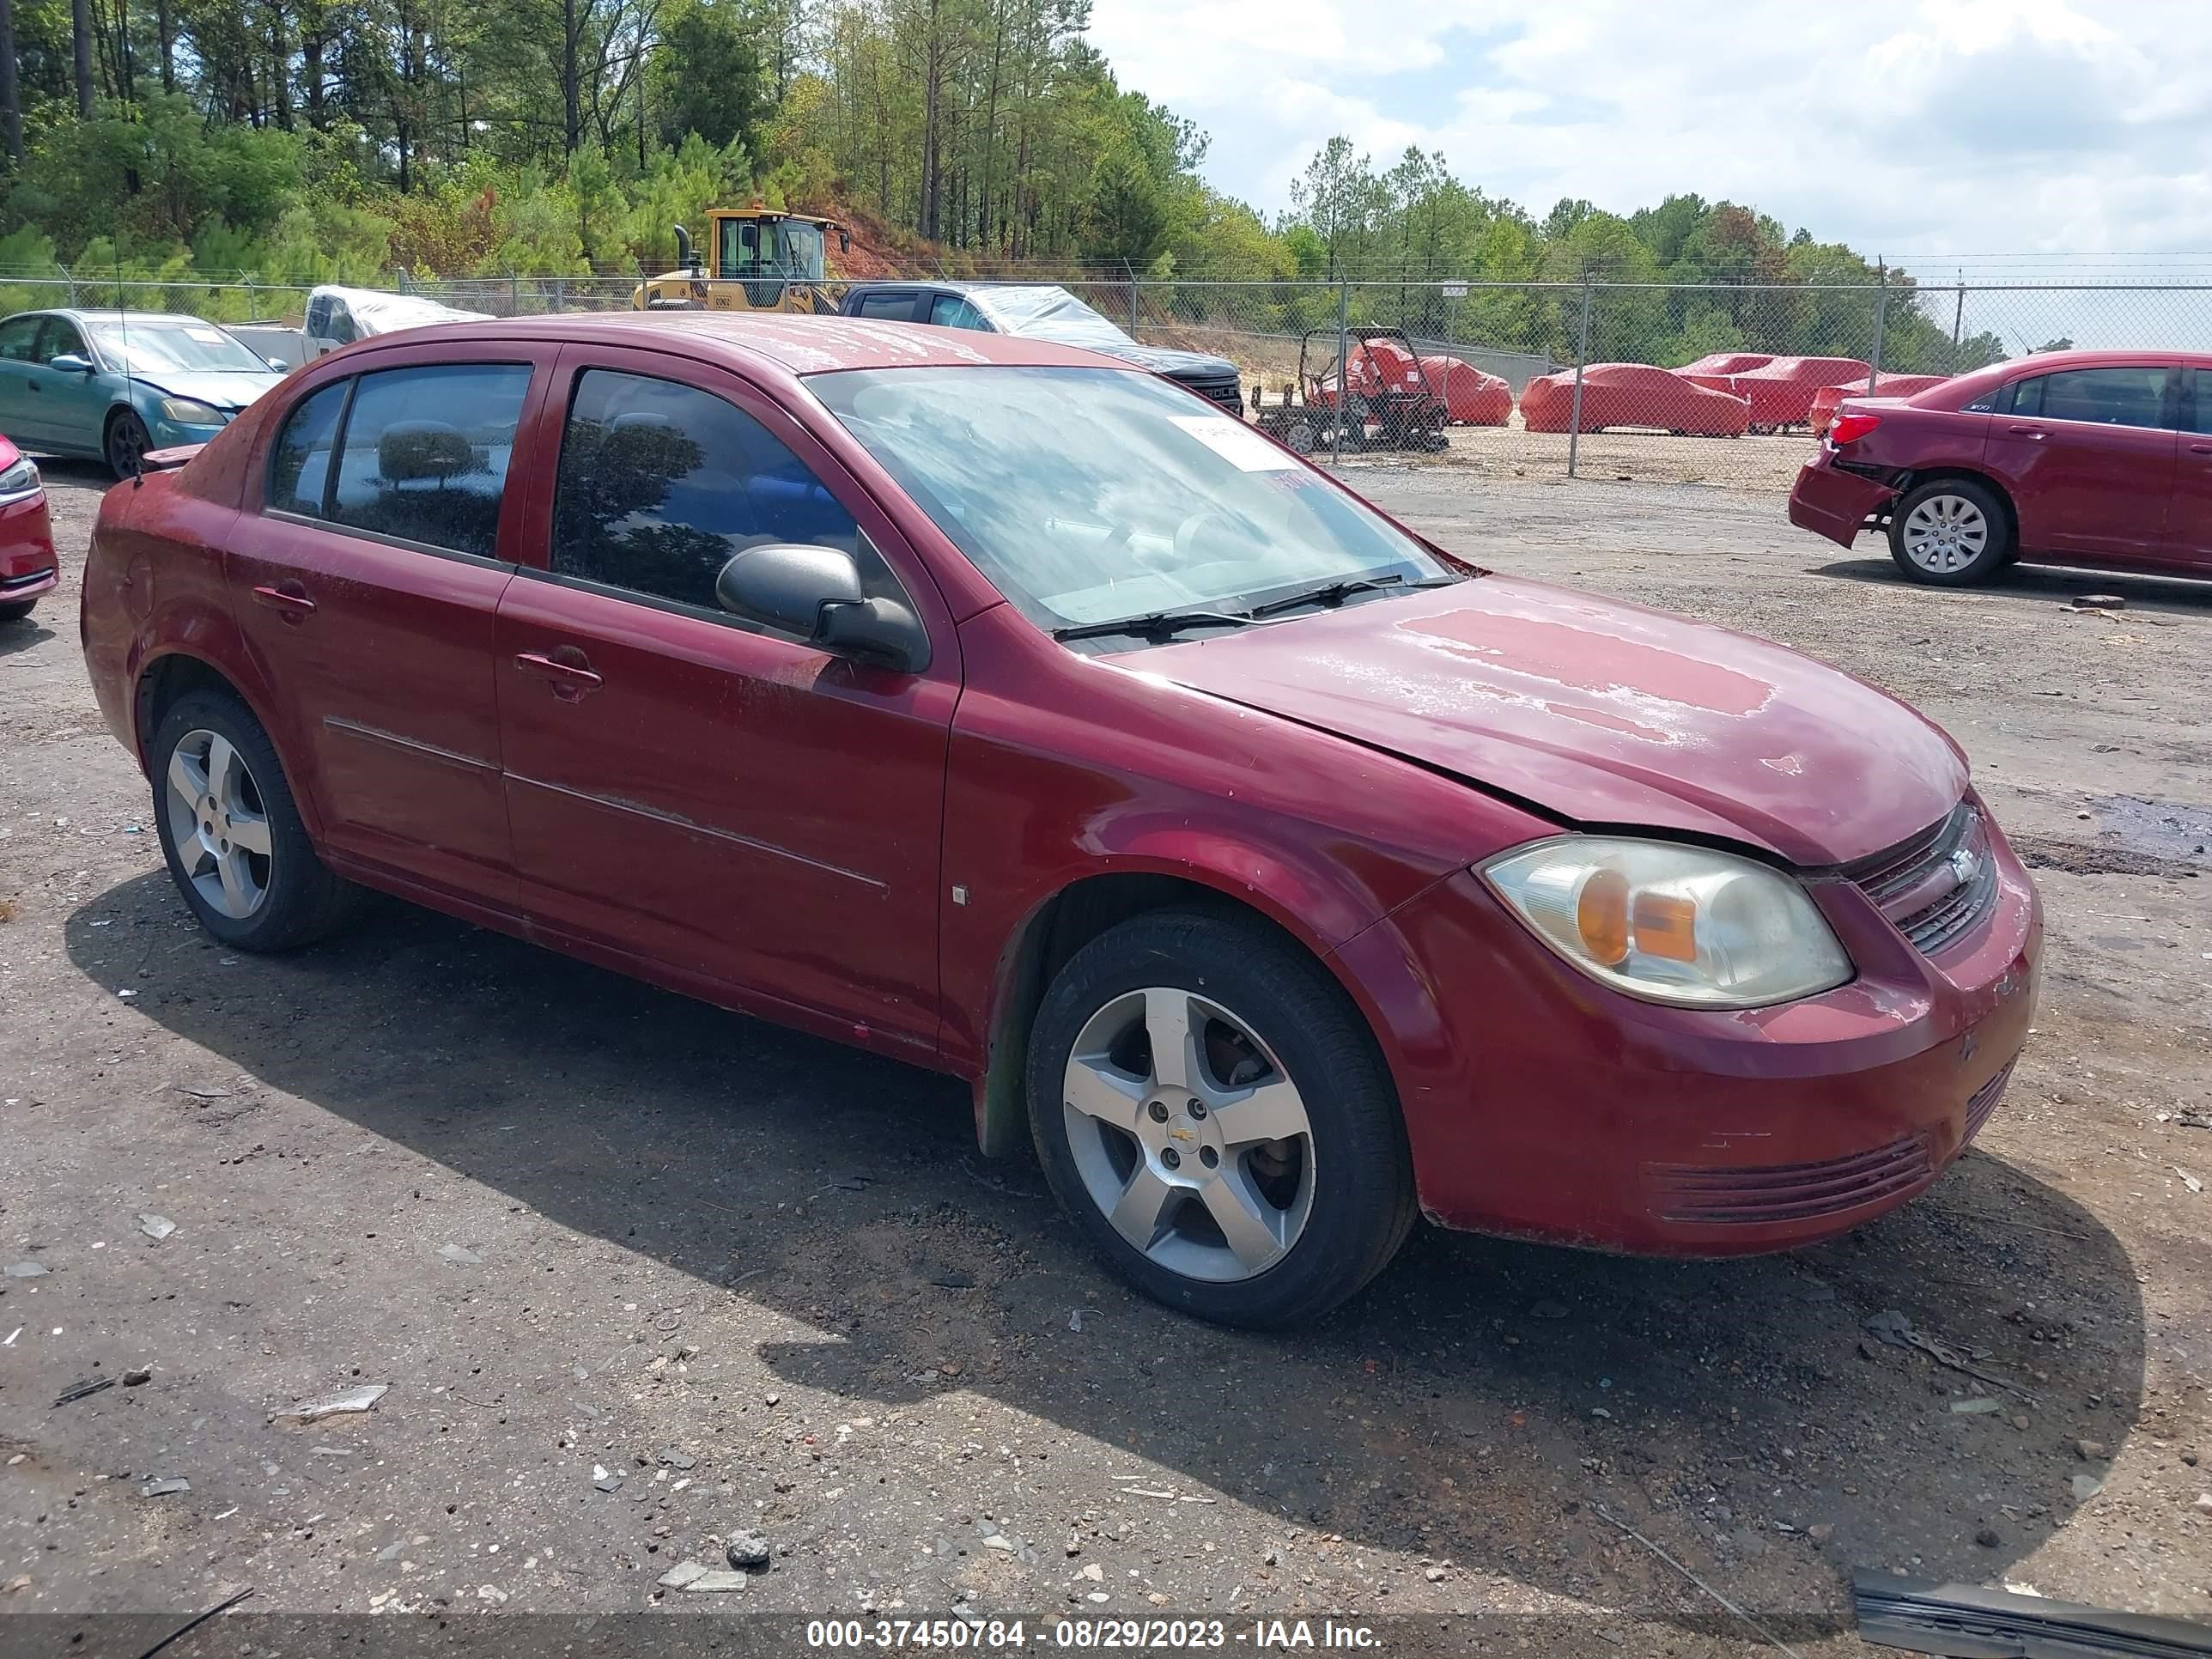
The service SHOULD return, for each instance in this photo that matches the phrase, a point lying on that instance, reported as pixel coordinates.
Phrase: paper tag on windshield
(206, 335)
(1236, 443)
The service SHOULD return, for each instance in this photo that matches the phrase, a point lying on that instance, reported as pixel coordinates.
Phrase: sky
(1922, 131)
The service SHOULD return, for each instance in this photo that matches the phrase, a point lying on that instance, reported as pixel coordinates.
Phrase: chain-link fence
(1716, 385)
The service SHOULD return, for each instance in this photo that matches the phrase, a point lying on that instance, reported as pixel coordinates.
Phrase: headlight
(191, 412)
(19, 479)
(1671, 923)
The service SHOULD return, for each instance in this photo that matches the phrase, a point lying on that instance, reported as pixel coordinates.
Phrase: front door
(738, 807)
(367, 586)
(75, 404)
(19, 361)
(2088, 457)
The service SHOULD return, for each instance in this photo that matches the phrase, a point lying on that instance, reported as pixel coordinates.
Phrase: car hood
(1601, 713)
(1176, 365)
(224, 388)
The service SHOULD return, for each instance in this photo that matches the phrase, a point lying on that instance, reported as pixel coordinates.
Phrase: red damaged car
(2088, 458)
(29, 568)
(1006, 709)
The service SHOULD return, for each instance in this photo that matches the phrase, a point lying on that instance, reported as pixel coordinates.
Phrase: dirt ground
(642, 1276)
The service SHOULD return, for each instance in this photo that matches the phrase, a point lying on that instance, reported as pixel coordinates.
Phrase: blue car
(113, 384)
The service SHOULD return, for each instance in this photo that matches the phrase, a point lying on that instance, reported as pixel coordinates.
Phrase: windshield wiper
(1337, 592)
(1158, 625)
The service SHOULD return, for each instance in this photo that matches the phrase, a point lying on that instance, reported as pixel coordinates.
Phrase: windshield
(1093, 495)
(166, 344)
(788, 248)
(1047, 313)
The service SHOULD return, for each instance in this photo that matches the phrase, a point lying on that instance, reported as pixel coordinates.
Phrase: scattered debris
(2087, 1486)
(2099, 602)
(2189, 1180)
(197, 1619)
(2090, 1451)
(353, 1399)
(714, 1579)
(955, 1281)
(851, 1180)
(1894, 1329)
(79, 1390)
(1548, 1309)
(1978, 1404)
(163, 1488)
(1965, 1621)
(671, 1458)
(203, 1092)
(1075, 1318)
(748, 1551)
(22, 1581)
(135, 1375)
(460, 1255)
(1989, 1538)
(2203, 1504)
(606, 1480)
(25, 1270)
(681, 1574)
(1776, 1642)
(12, 1335)
(491, 1592)
(156, 1227)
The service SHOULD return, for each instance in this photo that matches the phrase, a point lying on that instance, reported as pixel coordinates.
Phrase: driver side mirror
(70, 362)
(815, 592)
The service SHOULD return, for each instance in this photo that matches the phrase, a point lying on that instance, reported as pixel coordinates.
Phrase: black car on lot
(1040, 311)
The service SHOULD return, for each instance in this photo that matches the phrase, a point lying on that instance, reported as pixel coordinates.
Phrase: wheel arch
(1066, 920)
(165, 679)
(1918, 476)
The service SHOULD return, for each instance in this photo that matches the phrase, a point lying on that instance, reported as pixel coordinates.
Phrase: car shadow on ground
(1475, 1404)
(23, 635)
(2142, 590)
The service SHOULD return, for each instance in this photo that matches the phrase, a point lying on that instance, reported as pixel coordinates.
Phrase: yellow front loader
(756, 260)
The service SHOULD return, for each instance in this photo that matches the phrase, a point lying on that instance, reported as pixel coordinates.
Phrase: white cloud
(1908, 127)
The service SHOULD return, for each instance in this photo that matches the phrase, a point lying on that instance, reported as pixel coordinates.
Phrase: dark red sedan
(29, 568)
(1010, 711)
(2089, 458)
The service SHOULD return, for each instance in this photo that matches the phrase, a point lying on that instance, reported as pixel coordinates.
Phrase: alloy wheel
(1944, 534)
(1189, 1135)
(218, 823)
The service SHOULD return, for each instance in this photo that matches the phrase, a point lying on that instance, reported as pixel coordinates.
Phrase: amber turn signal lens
(1601, 917)
(1667, 926)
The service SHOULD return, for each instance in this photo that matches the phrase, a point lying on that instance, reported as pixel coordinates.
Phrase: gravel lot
(642, 1276)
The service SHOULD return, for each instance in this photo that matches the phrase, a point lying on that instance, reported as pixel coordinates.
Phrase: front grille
(1938, 884)
(1786, 1191)
(1225, 394)
(1982, 1104)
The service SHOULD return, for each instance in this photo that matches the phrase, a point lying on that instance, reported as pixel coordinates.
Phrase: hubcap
(1189, 1136)
(218, 825)
(1944, 533)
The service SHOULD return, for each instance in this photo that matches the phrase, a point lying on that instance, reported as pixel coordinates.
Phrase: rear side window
(661, 484)
(424, 454)
(2104, 396)
(890, 308)
(299, 466)
(2200, 419)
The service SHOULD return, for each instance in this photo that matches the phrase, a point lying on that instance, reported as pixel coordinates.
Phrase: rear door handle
(2200, 449)
(569, 680)
(288, 599)
(2026, 431)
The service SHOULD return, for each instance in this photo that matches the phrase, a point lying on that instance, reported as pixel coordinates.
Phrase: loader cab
(754, 260)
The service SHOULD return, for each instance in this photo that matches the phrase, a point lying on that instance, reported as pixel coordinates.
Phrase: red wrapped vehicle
(1632, 394)
(1780, 390)
(1726, 362)
(1471, 397)
(1886, 386)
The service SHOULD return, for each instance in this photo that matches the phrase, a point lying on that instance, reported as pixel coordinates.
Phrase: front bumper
(28, 565)
(1835, 503)
(1541, 1105)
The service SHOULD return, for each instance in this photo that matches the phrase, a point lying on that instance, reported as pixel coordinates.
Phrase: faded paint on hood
(225, 388)
(1601, 713)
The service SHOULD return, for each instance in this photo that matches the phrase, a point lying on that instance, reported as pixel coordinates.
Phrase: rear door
(2088, 457)
(367, 585)
(735, 807)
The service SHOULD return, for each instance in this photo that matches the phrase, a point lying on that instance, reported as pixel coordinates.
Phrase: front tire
(235, 842)
(1949, 532)
(1210, 1110)
(15, 610)
(127, 444)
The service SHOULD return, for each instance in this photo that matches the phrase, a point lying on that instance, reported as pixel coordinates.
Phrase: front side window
(886, 307)
(955, 311)
(61, 339)
(2104, 397)
(2201, 415)
(424, 454)
(300, 465)
(660, 485)
(1094, 495)
(18, 335)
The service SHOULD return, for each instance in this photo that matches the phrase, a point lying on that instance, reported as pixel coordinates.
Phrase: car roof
(101, 314)
(799, 345)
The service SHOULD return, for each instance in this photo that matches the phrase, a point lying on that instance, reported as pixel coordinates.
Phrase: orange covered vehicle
(1632, 394)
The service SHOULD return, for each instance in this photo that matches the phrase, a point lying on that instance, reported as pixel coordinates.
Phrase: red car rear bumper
(1544, 1105)
(28, 565)
(1834, 503)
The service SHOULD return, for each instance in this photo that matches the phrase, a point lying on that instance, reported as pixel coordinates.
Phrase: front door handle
(569, 680)
(288, 599)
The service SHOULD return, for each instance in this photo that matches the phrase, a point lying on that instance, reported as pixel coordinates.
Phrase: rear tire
(1258, 1167)
(235, 842)
(15, 610)
(1950, 532)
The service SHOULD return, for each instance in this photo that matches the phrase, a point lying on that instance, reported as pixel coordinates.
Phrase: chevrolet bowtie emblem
(1182, 1134)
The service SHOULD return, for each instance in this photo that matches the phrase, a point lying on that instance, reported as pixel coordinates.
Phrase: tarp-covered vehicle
(1632, 394)
(339, 316)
